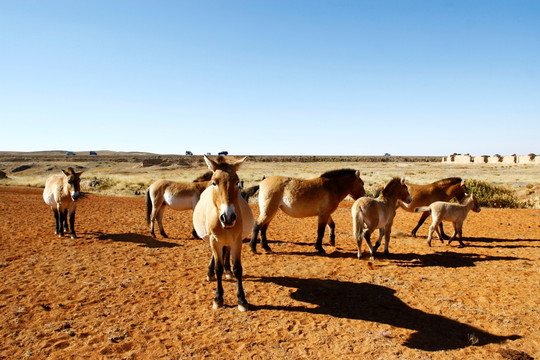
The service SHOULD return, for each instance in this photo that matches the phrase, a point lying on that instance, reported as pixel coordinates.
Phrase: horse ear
(79, 174)
(402, 181)
(237, 164)
(66, 173)
(358, 174)
(211, 164)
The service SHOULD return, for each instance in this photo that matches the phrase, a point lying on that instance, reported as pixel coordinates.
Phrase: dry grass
(124, 174)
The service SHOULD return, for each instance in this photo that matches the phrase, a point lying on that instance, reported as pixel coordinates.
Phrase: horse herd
(222, 216)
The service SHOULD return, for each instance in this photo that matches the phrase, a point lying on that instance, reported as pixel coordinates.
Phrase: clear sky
(269, 77)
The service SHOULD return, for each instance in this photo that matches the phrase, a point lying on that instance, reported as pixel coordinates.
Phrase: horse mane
(338, 173)
(448, 181)
(207, 176)
(390, 187)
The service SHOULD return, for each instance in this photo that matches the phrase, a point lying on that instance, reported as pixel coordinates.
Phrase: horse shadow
(500, 243)
(378, 304)
(144, 240)
(448, 259)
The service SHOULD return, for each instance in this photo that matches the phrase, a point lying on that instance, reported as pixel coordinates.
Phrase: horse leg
(72, 223)
(442, 235)
(160, 221)
(387, 233)
(378, 242)
(238, 272)
(367, 237)
(194, 234)
(430, 231)
(420, 222)
(320, 234)
(60, 224)
(218, 257)
(227, 263)
(332, 226)
(264, 240)
(66, 227)
(56, 222)
(211, 274)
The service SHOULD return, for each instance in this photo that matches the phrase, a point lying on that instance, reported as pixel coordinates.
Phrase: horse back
(424, 195)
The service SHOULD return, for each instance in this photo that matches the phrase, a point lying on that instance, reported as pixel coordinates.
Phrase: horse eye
(214, 183)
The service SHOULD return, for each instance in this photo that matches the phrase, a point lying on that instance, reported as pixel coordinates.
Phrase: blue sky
(271, 77)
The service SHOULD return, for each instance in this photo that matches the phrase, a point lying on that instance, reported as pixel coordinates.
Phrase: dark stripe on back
(338, 173)
(448, 181)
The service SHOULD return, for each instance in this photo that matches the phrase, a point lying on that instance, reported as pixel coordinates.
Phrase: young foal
(176, 195)
(441, 190)
(378, 214)
(303, 198)
(456, 213)
(223, 217)
(61, 193)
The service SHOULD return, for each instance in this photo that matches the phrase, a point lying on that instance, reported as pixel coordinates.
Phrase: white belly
(180, 202)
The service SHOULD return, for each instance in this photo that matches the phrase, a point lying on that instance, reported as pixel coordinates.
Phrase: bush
(493, 196)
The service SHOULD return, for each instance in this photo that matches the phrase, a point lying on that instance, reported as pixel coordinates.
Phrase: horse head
(357, 188)
(225, 187)
(72, 183)
(404, 192)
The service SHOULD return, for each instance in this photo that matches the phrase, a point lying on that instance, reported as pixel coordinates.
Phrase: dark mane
(338, 173)
(207, 176)
(390, 187)
(448, 181)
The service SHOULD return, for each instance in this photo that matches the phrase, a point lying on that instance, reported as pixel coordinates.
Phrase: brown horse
(223, 217)
(379, 214)
(424, 195)
(61, 193)
(176, 195)
(303, 198)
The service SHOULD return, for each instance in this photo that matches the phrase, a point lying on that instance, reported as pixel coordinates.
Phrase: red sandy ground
(116, 293)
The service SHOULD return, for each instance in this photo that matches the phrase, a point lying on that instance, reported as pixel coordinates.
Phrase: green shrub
(493, 196)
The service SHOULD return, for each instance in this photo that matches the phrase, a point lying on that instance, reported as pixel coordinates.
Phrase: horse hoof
(228, 275)
(73, 237)
(210, 278)
(217, 305)
(243, 308)
(321, 251)
(268, 251)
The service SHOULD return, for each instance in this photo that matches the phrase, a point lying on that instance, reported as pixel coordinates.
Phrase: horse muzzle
(227, 220)
(75, 196)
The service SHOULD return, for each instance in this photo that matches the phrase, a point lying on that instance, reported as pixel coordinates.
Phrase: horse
(303, 198)
(441, 190)
(456, 213)
(176, 195)
(224, 218)
(378, 213)
(61, 193)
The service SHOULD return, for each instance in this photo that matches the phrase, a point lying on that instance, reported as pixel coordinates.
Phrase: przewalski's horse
(303, 198)
(224, 218)
(61, 193)
(456, 213)
(379, 214)
(442, 190)
(176, 195)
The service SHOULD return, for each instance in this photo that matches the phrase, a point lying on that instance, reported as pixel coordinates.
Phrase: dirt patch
(117, 293)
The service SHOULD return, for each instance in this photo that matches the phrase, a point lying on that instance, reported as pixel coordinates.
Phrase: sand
(116, 293)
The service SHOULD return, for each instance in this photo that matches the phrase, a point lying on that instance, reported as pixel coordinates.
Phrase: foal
(379, 214)
(456, 213)
(61, 193)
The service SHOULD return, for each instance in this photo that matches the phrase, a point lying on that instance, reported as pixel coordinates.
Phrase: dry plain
(116, 293)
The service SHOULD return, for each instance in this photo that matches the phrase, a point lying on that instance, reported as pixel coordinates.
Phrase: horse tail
(422, 209)
(148, 206)
(358, 225)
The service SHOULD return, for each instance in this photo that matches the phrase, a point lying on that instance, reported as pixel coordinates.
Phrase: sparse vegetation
(489, 195)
